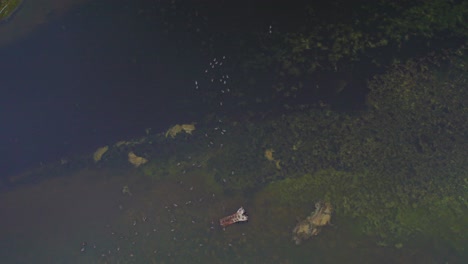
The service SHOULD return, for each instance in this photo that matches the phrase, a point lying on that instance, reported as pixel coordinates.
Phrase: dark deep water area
(99, 74)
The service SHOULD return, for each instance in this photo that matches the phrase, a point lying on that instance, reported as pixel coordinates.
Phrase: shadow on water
(86, 217)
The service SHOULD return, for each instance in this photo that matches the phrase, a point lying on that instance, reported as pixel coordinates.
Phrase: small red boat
(238, 216)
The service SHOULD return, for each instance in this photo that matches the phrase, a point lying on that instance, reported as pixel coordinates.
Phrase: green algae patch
(8, 8)
(378, 207)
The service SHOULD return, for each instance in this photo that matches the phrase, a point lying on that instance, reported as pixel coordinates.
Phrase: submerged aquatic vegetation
(393, 211)
(8, 7)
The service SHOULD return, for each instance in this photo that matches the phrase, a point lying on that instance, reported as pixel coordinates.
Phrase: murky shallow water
(85, 218)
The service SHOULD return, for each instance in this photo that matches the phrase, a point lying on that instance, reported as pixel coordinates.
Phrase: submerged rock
(99, 152)
(135, 160)
(313, 224)
(187, 128)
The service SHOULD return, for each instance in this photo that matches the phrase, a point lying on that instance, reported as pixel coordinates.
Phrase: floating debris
(238, 216)
(126, 191)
